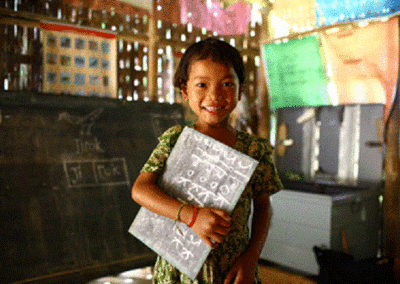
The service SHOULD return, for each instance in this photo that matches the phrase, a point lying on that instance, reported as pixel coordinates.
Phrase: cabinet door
(299, 222)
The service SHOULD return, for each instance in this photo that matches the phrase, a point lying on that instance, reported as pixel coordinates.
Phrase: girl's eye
(228, 84)
(201, 85)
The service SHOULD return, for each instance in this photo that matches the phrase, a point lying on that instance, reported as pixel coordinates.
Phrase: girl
(210, 76)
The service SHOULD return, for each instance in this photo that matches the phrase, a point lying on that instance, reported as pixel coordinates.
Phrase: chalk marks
(81, 172)
(97, 172)
(85, 122)
(159, 120)
(201, 195)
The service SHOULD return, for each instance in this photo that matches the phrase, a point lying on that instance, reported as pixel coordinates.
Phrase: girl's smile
(213, 109)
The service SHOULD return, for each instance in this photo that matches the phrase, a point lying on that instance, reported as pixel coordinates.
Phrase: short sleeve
(160, 154)
(265, 178)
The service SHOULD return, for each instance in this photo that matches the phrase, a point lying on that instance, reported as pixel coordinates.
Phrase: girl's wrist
(194, 216)
(186, 214)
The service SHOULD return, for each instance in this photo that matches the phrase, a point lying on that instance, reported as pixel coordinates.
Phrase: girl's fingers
(229, 277)
(212, 225)
(217, 238)
(223, 231)
(210, 243)
(223, 219)
(223, 215)
(222, 223)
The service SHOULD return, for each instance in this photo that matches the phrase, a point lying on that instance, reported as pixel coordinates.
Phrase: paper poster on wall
(363, 63)
(330, 12)
(295, 73)
(288, 16)
(214, 17)
(79, 61)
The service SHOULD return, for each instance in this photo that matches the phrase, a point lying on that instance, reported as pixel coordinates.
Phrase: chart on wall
(79, 61)
(330, 12)
(364, 63)
(295, 73)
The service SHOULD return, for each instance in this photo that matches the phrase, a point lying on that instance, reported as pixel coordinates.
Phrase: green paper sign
(295, 73)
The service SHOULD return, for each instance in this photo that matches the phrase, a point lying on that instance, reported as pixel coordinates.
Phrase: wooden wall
(149, 46)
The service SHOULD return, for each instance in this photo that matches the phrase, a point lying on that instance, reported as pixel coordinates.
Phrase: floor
(274, 275)
(269, 274)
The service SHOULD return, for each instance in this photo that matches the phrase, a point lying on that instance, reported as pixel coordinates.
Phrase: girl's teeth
(212, 108)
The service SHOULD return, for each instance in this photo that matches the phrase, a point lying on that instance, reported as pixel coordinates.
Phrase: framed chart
(79, 61)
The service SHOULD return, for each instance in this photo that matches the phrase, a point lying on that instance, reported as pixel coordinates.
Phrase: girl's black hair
(219, 51)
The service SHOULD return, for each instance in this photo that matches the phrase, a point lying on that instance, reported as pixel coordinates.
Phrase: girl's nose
(214, 93)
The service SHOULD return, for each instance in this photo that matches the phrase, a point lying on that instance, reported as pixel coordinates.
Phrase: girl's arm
(211, 224)
(260, 225)
(243, 270)
(146, 193)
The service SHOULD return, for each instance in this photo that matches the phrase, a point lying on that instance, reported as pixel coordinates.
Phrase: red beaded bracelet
(195, 209)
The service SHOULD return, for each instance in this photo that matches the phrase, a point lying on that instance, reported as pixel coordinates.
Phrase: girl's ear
(184, 92)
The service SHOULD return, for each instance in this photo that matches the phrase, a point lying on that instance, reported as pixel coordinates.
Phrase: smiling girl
(210, 76)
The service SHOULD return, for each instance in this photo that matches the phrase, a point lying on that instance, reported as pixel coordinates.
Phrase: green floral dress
(264, 180)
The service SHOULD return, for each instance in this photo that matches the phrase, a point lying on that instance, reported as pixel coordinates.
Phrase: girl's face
(212, 91)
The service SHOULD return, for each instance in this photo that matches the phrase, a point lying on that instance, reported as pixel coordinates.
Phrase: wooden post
(392, 184)
(262, 90)
(263, 108)
(392, 188)
(153, 42)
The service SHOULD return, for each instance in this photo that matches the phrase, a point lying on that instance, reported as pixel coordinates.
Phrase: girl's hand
(212, 225)
(243, 271)
(244, 268)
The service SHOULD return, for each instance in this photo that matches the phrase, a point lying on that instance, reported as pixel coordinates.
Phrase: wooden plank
(153, 55)
(392, 187)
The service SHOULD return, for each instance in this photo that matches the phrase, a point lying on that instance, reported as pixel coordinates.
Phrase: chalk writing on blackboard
(90, 173)
(86, 122)
(201, 171)
(158, 121)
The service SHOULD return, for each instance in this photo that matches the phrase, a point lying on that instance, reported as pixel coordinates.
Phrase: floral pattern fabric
(265, 180)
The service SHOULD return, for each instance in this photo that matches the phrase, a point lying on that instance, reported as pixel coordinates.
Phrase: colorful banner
(295, 73)
(288, 16)
(212, 16)
(262, 3)
(79, 61)
(363, 63)
(330, 12)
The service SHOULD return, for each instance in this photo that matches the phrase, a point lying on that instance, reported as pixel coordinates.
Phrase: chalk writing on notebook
(200, 171)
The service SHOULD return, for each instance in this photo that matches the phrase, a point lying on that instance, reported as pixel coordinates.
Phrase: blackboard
(201, 171)
(67, 165)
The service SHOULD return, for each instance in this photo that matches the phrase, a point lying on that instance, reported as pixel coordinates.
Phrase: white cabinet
(302, 220)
